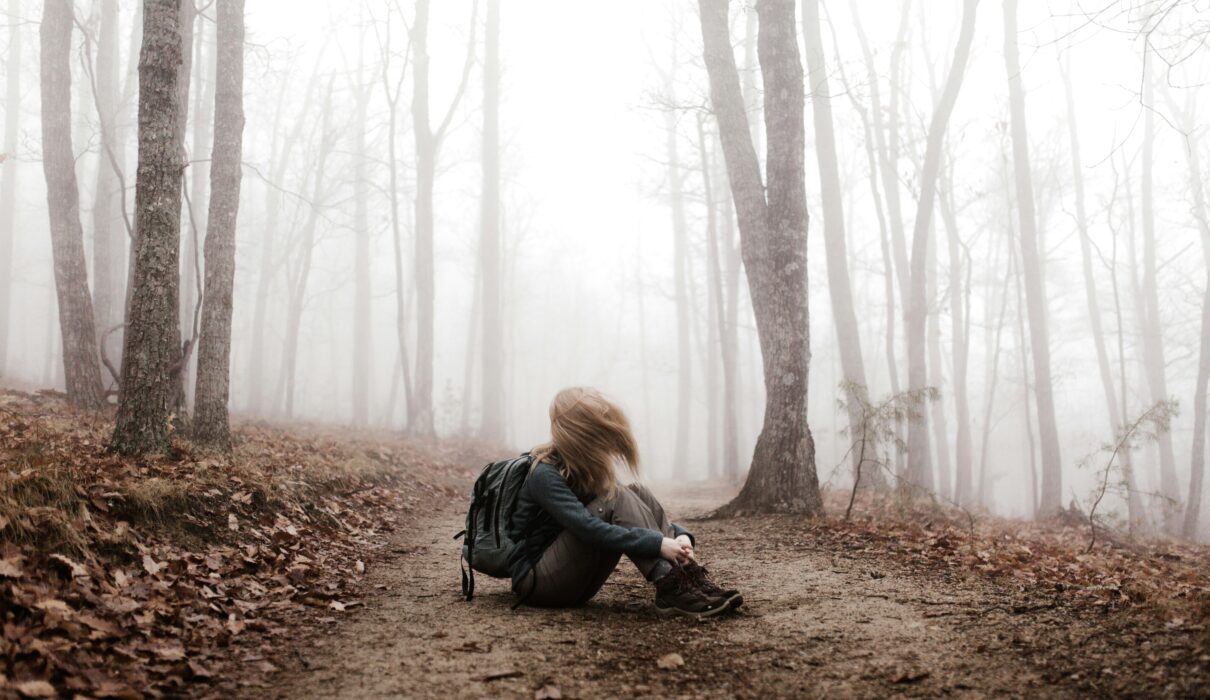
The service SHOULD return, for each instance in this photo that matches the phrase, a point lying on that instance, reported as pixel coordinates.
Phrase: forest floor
(320, 563)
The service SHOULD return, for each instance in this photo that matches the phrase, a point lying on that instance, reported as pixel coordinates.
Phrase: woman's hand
(675, 551)
(688, 545)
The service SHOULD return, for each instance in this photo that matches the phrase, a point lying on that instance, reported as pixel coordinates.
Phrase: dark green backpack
(486, 547)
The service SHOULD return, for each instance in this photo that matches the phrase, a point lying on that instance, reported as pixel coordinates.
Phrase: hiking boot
(677, 594)
(701, 577)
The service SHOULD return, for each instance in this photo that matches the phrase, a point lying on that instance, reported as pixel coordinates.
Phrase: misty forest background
(448, 211)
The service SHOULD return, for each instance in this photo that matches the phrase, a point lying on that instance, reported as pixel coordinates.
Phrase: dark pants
(571, 571)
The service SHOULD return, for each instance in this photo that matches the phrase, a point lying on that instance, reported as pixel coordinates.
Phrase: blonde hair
(588, 433)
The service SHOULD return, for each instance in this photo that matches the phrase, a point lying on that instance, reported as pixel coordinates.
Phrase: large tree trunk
(919, 467)
(151, 364)
(8, 177)
(211, 425)
(81, 364)
(491, 339)
(774, 247)
(1035, 280)
(680, 264)
(843, 312)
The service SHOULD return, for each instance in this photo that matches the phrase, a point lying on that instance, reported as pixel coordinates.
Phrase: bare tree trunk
(1031, 443)
(1197, 469)
(715, 311)
(81, 364)
(960, 328)
(8, 177)
(1153, 335)
(730, 334)
(108, 249)
(211, 425)
(199, 177)
(298, 289)
(844, 314)
(1035, 279)
(993, 367)
(891, 220)
(362, 329)
(919, 467)
(199, 180)
(1134, 504)
(151, 363)
(492, 427)
(937, 420)
(428, 143)
(680, 263)
(773, 238)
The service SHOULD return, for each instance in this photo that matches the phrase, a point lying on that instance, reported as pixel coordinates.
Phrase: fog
(589, 290)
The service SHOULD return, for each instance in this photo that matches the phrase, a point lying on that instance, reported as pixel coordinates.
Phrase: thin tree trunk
(298, 290)
(919, 467)
(108, 249)
(773, 226)
(715, 308)
(1134, 504)
(1035, 279)
(1152, 329)
(492, 427)
(993, 373)
(81, 364)
(844, 314)
(937, 420)
(199, 177)
(151, 364)
(362, 328)
(960, 327)
(1197, 468)
(8, 177)
(680, 263)
(730, 335)
(211, 424)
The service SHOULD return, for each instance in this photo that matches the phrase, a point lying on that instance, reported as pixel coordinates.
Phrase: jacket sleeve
(552, 493)
(677, 531)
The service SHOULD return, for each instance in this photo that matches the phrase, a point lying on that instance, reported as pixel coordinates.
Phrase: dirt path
(816, 624)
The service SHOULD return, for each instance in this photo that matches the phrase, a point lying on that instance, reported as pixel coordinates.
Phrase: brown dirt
(819, 621)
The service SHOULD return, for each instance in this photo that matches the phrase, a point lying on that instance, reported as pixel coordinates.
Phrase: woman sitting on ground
(573, 520)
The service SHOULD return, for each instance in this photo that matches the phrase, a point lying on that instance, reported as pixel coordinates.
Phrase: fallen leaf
(151, 566)
(36, 689)
(170, 652)
(909, 676)
(54, 607)
(548, 691)
(670, 661)
(361, 566)
(77, 570)
(232, 522)
(500, 675)
(11, 567)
